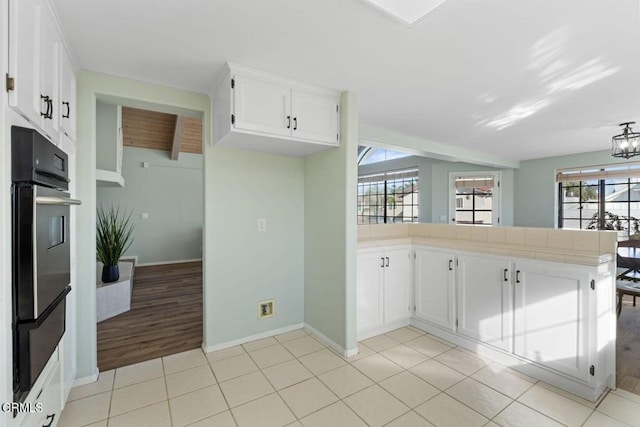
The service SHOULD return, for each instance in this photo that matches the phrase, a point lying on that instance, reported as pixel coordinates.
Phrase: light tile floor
(403, 378)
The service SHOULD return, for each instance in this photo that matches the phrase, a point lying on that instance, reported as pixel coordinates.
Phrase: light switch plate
(262, 224)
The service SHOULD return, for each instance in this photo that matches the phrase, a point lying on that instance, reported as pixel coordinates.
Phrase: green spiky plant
(114, 234)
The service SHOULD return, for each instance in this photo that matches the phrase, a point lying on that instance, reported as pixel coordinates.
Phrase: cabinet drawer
(49, 398)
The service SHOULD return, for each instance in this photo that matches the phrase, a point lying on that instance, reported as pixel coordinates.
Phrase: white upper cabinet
(67, 104)
(24, 67)
(262, 112)
(261, 106)
(50, 72)
(40, 70)
(314, 116)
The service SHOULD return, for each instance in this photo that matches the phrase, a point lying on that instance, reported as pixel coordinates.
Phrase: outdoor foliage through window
(388, 198)
(608, 202)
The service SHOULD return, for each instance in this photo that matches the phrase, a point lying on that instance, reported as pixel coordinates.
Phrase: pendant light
(627, 143)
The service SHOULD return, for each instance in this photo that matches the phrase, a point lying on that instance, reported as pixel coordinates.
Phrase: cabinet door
(370, 290)
(551, 316)
(24, 58)
(315, 117)
(397, 285)
(49, 71)
(261, 106)
(485, 300)
(67, 105)
(434, 274)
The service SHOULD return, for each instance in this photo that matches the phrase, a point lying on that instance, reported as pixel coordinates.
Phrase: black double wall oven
(40, 253)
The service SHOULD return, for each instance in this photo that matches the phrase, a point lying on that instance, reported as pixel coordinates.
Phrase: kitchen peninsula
(541, 301)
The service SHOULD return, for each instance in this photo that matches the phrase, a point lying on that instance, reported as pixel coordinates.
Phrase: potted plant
(114, 235)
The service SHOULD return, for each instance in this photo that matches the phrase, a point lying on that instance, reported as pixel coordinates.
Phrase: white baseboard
(86, 380)
(331, 343)
(363, 335)
(527, 367)
(148, 264)
(267, 334)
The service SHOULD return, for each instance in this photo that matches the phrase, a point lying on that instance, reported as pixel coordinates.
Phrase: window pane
(464, 217)
(483, 217)
(401, 201)
(571, 223)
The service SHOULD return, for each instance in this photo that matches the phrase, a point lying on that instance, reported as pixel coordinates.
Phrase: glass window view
(374, 155)
(388, 198)
(474, 200)
(608, 202)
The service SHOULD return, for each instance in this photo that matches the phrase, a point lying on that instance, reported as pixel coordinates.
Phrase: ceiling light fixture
(407, 11)
(626, 144)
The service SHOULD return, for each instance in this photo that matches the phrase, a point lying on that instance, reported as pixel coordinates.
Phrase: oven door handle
(48, 200)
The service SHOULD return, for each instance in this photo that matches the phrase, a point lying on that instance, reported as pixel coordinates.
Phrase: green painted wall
(170, 192)
(106, 136)
(246, 266)
(330, 233)
(92, 86)
(535, 187)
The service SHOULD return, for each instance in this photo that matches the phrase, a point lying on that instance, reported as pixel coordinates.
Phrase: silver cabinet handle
(382, 259)
(47, 200)
(387, 262)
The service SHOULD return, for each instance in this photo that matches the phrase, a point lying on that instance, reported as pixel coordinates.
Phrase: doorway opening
(149, 169)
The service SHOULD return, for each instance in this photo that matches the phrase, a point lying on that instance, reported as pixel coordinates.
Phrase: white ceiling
(520, 79)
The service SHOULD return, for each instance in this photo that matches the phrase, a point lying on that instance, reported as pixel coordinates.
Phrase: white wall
(170, 192)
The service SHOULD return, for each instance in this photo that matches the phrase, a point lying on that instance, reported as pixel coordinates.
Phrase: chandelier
(626, 144)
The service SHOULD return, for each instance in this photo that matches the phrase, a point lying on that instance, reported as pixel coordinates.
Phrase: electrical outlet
(265, 309)
(262, 225)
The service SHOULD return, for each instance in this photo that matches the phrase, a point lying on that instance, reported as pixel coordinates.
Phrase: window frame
(496, 208)
(387, 178)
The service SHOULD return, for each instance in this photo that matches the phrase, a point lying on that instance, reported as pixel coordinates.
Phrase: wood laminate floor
(165, 317)
(628, 347)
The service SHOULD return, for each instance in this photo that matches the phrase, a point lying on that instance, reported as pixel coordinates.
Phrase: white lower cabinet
(485, 299)
(554, 321)
(370, 290)
(45, 398)
(397, 285)
(552, 316)
(435, 286)
(384, 287)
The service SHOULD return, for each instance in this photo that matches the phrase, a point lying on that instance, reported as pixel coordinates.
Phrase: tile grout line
(350, 363)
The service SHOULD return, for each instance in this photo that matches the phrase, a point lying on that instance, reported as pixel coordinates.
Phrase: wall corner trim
(87, 380)
(331, 343)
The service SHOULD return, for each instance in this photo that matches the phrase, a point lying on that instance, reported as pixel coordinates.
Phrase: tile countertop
(584, 247)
